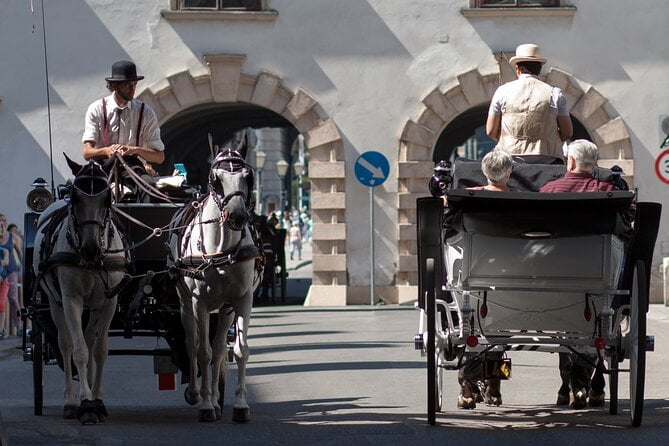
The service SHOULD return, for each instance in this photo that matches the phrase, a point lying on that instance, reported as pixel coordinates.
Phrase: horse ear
(74, 167)
(212, 148)
(243, 145)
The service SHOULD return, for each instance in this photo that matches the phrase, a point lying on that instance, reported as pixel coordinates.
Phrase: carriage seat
(525, 176)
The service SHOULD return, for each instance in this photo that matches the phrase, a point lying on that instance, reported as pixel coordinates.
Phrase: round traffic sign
(662, 166)
(372, 168)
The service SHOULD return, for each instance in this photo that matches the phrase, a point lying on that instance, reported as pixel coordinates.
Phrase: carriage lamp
(40, 197)
(260, 165)
(282, 169)
(600, 343)
(472, 341)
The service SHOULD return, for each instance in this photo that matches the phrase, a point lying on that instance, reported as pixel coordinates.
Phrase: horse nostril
(237, 220)
(90, 251)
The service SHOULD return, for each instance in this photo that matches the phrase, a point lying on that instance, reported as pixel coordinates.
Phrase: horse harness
(194, 266)
(103, 263)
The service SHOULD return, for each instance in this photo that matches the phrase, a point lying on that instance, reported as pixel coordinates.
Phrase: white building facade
(349, 75)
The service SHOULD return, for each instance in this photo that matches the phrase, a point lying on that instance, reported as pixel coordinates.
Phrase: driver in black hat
(120, 123)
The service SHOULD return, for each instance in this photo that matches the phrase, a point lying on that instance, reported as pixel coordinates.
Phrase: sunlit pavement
(335, 376)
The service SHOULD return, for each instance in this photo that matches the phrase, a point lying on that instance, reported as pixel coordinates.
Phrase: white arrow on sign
(376, 171)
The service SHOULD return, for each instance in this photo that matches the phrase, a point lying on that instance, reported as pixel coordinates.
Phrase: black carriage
(148, 304)
(562, 272)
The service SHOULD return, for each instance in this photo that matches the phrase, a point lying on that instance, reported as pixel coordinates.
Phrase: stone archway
(223, 80)
(472, 89)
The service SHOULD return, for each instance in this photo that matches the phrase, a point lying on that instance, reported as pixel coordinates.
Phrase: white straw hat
(527, 52)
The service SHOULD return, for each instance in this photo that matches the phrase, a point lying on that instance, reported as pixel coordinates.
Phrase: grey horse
(220, 267)
(81, 264)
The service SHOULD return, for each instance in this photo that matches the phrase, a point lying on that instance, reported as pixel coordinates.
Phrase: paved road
(346, 376)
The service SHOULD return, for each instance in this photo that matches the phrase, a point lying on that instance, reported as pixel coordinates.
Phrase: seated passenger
(581, 162)
(575, 371)
(496, 166)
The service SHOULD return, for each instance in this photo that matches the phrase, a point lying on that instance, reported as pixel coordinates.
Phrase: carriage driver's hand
(116, 148)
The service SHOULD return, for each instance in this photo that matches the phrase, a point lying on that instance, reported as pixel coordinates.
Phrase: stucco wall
(369, 63)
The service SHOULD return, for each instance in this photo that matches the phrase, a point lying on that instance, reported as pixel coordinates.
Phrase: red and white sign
(662, 166)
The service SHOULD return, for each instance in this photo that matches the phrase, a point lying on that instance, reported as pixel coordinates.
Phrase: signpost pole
(371, 169)
(371, 245)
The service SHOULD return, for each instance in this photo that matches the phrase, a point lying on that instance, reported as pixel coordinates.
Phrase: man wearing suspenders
(120, 123)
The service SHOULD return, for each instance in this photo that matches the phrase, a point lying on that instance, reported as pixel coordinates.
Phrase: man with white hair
(581, 162)
(575, 371)
(527, 116)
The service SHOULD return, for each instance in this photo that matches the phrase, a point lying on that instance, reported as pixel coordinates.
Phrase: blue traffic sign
(372, 168)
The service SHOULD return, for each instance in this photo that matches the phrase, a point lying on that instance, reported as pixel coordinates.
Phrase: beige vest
(528, 125)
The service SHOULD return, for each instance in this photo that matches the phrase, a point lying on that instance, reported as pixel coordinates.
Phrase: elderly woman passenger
(496, 166)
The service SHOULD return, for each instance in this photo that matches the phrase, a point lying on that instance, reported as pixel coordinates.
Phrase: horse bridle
(75, 224)
(235, 163)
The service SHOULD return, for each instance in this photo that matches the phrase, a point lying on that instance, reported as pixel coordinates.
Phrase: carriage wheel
(38, 367)
(637, 343)
(431, 314)
(613, 383)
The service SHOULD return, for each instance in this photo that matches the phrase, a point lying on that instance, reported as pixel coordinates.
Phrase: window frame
(517, 4)
(178, 5)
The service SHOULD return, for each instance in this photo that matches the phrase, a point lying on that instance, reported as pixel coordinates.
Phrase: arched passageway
(188, 103)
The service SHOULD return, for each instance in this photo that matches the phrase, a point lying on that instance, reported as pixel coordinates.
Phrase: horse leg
(204, 353)
(90, 335)
(220, 361)
(73, 310)
(241, 412)
(192, 393)
(65, 345)
(100, 353)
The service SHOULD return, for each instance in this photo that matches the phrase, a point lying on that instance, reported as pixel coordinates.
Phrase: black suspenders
(105, 128)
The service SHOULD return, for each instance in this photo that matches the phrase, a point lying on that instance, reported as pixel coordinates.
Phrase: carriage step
(650, 343)
(418, 343)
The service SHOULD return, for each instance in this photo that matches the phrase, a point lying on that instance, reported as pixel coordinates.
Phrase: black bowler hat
(124, 71)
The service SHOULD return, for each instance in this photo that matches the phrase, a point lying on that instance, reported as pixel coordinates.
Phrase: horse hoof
(206, 415)
(241, 414)
(191, 398)
(101, 411)
(70, 412)
(88, 417)
(219, 413)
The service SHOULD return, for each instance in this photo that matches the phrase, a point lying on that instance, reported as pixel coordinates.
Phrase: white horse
(81, 264)
(221, 267)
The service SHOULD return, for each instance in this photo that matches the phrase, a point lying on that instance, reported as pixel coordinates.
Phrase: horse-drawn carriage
(521, 270)
(174, 270)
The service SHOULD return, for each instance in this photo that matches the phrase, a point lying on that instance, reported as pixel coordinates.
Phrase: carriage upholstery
(525, 177)
(529, 240)
(521, 214)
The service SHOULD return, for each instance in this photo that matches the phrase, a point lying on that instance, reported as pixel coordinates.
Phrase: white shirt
(125, 130)
(498, 103)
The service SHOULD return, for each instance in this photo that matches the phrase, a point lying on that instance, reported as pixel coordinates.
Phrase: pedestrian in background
(10, 242)
(4, 289)
(295, 238)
